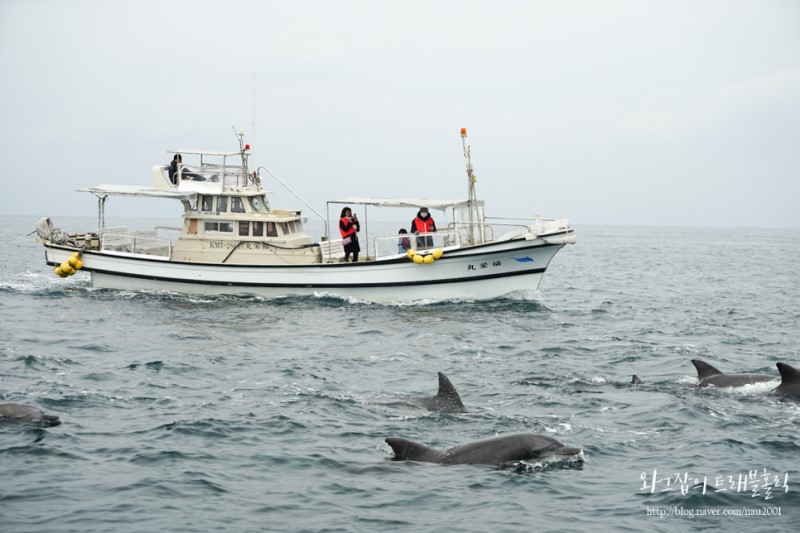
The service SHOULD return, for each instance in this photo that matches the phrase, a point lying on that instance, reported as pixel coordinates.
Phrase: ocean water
(184, 413)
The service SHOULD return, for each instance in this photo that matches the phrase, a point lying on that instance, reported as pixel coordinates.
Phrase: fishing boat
(231, 241)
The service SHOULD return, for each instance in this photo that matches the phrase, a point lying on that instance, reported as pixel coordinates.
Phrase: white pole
(253, 116)
(473, 201)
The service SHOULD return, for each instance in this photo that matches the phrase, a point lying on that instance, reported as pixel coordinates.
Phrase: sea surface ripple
(186, 413)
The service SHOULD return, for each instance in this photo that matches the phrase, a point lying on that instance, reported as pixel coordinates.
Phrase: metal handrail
(324, 221)
(387, 245)
(136, 243)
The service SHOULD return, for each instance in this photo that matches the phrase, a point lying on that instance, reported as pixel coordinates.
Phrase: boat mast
(253, 112)
(242, 148)
(472, 204)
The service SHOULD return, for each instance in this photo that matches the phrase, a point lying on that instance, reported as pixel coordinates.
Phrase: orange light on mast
(463, 132)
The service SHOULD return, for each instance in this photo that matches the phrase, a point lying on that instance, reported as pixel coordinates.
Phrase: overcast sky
(604, 112)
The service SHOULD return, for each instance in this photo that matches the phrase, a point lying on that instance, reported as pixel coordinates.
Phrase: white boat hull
(472, 273)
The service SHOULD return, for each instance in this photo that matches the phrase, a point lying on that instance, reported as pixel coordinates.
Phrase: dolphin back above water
(20, 412)
(709, 375)
(492, 451)
(446, 400)
(790, 381)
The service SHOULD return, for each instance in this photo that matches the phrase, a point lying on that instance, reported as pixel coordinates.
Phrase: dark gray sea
(184, 413)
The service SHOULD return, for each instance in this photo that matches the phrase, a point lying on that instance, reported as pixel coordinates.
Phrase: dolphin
(790, 381)
(20, 412)
(635, 380)
(708, 375)
(446, 400)
(492, 451)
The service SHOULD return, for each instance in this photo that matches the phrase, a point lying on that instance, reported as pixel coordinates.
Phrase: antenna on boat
(242, 146)
(253, 113)
(471, 179)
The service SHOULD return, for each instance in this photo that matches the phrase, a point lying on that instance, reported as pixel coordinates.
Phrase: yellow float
(425, 259)
(70, 266)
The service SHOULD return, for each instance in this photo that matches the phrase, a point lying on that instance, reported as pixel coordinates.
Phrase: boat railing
(332, 251)
(538, 226)
(230, 176)
(137, 243)
(475, 233)
(503, 230)
(389, 246)
(240, 178)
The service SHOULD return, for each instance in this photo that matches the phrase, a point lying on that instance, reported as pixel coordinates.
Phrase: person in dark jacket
(173, 168)
(403, 243)
(178, 172)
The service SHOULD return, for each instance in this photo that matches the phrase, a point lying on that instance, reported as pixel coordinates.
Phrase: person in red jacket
(348, 227)
(423, 224)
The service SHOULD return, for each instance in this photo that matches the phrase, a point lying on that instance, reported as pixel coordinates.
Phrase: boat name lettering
(484, 265)
(227, 245)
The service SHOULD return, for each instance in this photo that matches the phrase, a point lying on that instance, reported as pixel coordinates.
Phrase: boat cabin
(227, 217)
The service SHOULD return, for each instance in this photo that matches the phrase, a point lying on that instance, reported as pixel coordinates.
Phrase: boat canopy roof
(439, 205)
(133, 190)
(204, 152)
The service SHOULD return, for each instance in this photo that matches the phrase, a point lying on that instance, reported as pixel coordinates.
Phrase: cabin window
(258, 229)
(259, 204)
(222, 227)
(206, 203)
(237, 206)
(244, 228)
(222, 204)
(293, 226)
(271, 231)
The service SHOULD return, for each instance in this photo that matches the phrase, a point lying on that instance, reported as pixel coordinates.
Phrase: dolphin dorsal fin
(408, 450)
(635, 380)
(447, 392)
(704, 370)
(789, 374)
